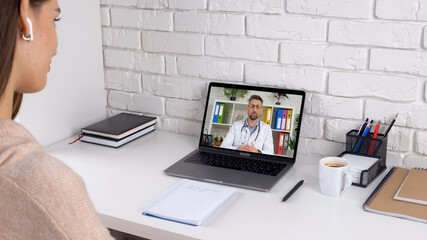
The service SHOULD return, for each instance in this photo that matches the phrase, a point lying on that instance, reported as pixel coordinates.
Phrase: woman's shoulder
(24, 160)
(52, 187)
(14, 136)
(12, 129)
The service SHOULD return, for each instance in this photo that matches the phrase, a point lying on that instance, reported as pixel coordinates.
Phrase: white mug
(334, 176)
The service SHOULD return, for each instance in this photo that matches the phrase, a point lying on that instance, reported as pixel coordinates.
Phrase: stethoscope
(245, 125)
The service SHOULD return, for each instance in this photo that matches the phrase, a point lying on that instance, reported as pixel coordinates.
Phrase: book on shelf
(216, 112)
(280, 143)
(111, 142)
(221, 113)
(119, 126)
(285, 143)
(284, 115)
(189, 202)
(289, 119)
(267, 116)
(278, 121)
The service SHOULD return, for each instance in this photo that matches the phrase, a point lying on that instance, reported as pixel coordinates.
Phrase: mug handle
(348, 180)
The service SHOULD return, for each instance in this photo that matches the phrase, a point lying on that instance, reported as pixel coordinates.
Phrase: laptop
(259, 128)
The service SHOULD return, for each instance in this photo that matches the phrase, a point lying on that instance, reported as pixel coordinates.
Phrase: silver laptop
(248, 139)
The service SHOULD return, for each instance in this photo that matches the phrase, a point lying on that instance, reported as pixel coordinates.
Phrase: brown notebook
(382, 199)
(414, 188)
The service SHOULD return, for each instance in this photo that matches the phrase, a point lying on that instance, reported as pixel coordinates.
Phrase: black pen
(293, 190)
(362, 127)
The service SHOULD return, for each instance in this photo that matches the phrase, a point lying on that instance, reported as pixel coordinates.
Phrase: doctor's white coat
(239, 135)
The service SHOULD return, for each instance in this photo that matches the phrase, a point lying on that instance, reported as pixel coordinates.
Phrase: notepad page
(414, 188)
(190, 201)
(359, 162)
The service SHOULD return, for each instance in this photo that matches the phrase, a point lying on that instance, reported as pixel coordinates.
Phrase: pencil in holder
(370, 147)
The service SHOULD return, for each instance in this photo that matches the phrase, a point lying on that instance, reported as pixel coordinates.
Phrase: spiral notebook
(382, 199)
(189, 202)
(414, 187)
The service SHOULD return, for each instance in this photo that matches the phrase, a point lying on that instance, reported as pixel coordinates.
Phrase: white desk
(122, 181)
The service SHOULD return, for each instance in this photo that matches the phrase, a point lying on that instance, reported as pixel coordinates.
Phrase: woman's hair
(9, 13)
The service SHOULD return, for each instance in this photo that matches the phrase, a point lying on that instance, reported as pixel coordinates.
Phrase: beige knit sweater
(40, 197)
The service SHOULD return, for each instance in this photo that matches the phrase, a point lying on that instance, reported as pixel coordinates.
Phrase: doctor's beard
(253, 116)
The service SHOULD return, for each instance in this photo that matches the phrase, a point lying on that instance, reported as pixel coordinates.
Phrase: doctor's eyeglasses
(254, 106)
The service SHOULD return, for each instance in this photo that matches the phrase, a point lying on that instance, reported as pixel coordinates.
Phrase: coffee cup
(334, 176)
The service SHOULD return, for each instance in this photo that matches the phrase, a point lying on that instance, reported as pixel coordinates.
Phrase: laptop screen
(253, 119)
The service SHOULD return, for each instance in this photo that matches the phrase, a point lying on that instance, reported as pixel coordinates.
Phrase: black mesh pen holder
(370, 147)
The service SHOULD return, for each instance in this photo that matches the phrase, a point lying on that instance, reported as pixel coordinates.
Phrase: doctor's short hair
(256, 97)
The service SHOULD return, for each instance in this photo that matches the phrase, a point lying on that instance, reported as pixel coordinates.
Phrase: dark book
(120, 125)
(111, 142)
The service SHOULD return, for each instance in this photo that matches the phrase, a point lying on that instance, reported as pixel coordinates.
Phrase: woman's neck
(6, 103)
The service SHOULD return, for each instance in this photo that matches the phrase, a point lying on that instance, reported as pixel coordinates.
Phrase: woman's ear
(25, 26)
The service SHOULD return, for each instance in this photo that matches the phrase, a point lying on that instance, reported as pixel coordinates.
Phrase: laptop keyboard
(236, 163)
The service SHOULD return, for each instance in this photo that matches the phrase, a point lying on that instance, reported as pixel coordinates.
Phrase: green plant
(234, 92)
(297, 118)
(291, 143)
(218, 138)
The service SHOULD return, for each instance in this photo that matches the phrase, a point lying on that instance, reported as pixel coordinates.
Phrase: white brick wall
(388, 87)
(333, 8)
(174, 87)
(225, 24)
(307, 79)
(243, 48)
(124, 81)
(287, 27)
(185, 109)
(404, 61)
(355, 59)
(384, 34)
(123, 17)
(404, 10)
(264, 6)
(336, 129)
(320, 54)
(425, 37)
(156, 20)
(122, 38)
(165, 42)
(210, 69)
(105, 16)
(147, 62)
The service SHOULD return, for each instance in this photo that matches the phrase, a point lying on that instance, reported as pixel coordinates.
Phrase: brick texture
(355, 59)
(392, 35)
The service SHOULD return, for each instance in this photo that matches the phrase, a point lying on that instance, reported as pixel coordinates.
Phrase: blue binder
(216, 112)
(279, 115)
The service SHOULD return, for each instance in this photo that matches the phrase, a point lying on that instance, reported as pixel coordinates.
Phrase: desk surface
(122, 181)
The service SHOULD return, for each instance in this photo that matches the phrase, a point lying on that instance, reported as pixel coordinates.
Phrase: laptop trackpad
(221, 174)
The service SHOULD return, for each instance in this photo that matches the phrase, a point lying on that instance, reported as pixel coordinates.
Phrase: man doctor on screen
(251, 134)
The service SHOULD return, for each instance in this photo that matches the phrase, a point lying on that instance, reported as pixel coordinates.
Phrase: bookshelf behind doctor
(220, 118)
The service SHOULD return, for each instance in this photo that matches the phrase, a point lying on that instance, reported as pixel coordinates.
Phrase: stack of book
(118, 130)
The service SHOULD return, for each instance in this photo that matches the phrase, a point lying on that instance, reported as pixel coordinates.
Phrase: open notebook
(414, 188)
(382, 199)
(190, 202)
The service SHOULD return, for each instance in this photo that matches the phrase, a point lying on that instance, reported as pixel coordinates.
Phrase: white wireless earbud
(30, 37)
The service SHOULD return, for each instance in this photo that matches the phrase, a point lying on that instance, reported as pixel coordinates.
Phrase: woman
(40, 198)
